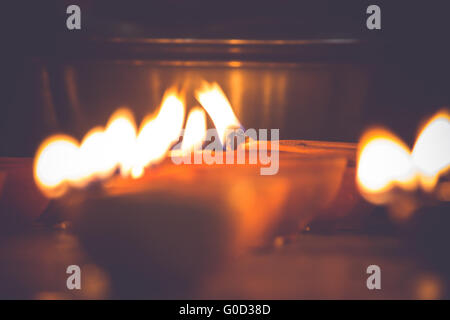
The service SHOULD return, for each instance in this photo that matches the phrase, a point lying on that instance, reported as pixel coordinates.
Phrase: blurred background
(310, 68)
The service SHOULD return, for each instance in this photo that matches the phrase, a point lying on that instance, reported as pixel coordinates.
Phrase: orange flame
(213, 99)
(56, 164)
(431, 152)
(121, 132)
(157, 134)
(61, 162)
(384, 161)
(195, 132)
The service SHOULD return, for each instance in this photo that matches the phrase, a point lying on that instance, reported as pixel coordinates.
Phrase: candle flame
(56, 164)
(195, 132)
(431, 152)
(157, 134)
(61, 161)
(384, 161)
(122, 131)
(216, 104)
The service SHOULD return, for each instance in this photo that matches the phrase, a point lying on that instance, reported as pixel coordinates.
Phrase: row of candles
(61, 162)
(386, 167)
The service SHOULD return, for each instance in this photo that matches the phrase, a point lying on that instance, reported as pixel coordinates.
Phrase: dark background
(395, 76)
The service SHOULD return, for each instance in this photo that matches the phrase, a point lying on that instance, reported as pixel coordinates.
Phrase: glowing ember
(384, 161)
(219, 109)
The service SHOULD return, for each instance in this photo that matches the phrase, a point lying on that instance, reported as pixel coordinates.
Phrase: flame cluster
(386, 162)
(62, 162)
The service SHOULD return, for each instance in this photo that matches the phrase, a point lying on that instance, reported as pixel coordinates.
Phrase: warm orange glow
(431, 152)
(158, 134)
(383, 162)
(195, 132)
(121, 132)
(94, 157)
(61, 161)
(213, 99)
(55, 164)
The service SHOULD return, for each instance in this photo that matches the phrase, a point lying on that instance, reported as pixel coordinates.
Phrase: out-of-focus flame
(56, 163)
(213, 99)
(195, 131)
(61, 162)
(121, 132)
(157, 134)
(384, 161)
(431, 152)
